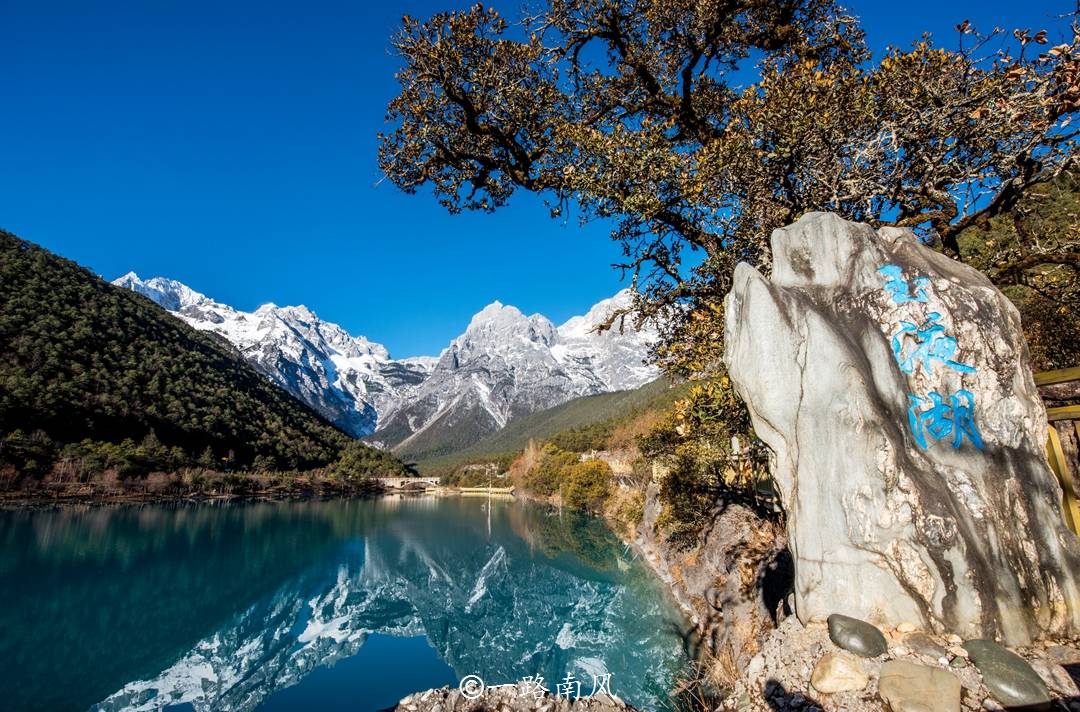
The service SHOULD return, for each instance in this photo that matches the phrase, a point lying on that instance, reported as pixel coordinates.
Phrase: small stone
(1056, 678)
(958, 663)
(755, 668)
(899, 651)
(909, 687)
(1009, 678)
(923, 644)
(837, 672)
(856, 636)
(906, 627)
(953, 638)
(1063, 654)
(957, 650)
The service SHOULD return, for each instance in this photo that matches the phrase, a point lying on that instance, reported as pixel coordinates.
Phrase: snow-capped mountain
(506, 364)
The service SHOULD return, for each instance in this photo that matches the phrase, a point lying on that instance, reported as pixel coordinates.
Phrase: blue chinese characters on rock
(935, 415)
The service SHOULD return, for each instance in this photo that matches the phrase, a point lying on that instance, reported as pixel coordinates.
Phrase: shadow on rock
(781, 699)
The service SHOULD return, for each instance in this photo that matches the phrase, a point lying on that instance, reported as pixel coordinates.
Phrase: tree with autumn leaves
(699, 126)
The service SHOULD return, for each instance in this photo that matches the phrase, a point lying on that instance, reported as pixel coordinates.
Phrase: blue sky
(231, 145)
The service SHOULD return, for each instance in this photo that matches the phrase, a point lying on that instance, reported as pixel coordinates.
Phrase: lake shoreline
(249, 489)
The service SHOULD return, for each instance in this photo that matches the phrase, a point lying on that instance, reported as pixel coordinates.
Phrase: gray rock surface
(1010, 679)
(856, 636)
(894, 388)
(909, 687)
(922, 644)
(1064, 654)
(730, 611)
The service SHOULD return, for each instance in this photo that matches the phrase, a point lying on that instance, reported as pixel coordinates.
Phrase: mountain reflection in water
(220, 606)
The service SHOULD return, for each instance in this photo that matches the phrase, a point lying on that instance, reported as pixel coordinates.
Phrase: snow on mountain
(504, 365)
(347, 379)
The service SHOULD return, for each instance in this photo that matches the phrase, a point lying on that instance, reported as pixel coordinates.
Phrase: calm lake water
(340, 605)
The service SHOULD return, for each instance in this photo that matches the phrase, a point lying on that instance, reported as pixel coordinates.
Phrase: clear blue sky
(231, 145)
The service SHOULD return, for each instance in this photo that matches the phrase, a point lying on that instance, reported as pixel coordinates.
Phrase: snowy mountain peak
(168, 293)
(503, 365)
(581, 326)
(498, 326)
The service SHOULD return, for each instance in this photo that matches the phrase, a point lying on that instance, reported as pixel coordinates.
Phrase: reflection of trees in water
(570, 536)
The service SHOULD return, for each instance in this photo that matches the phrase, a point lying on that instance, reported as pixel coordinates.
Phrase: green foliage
(694, 445)
(587, 485)
(1033, 253)
(548, 475)
(28, 454)
(359, 461)
(631, 509)
(108, 380)
(688, 491)
(585, 438)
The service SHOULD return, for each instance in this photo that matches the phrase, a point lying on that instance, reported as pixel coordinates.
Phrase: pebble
(1063, 654)
(1009, 678)
(923, 644)
(837, 672)
(856, 636)
(1056, 678)
(958, 663)
(906, 627)
(909, 687)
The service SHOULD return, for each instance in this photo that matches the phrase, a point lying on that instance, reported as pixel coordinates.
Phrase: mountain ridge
(505, 364)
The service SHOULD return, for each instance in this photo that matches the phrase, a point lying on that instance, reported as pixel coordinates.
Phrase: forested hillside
(587, 421)
(101, 376)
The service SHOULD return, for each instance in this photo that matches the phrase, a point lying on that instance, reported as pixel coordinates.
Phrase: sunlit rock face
(894, 388)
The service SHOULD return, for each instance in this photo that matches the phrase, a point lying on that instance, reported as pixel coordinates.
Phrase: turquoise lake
(320, 605)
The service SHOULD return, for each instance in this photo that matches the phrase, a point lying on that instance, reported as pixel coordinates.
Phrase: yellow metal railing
(1054, 452)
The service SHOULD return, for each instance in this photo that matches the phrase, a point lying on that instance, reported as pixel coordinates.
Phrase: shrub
(546, 477)
(629, 509)
(587, 485)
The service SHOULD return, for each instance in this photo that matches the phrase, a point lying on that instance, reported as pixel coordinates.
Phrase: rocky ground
(854, 667)
(731, 583)
(504, 699)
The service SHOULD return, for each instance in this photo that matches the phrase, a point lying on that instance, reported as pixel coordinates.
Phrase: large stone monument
(893, 386)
